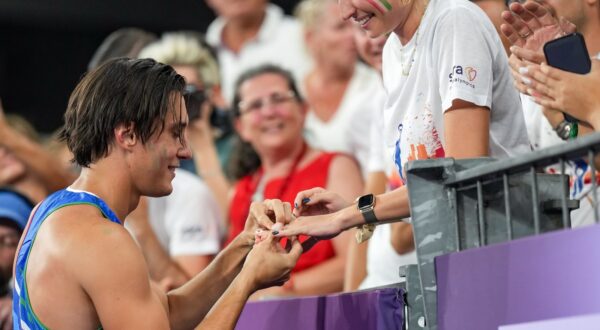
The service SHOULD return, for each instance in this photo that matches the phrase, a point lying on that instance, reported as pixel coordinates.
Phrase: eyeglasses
(9, 241)
(275, 98)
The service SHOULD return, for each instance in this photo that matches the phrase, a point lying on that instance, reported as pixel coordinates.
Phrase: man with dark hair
(77, 267)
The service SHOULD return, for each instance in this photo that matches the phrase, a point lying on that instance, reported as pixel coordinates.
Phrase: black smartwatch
(366, 206)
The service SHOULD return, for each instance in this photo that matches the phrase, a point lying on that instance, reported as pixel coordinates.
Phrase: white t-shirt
(377, 160)
(279, 41)
(542, 135)
(457, 55)
(348, 129)
(188, 221)
(383, 262)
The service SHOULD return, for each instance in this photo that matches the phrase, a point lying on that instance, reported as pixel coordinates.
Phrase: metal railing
(462, 204)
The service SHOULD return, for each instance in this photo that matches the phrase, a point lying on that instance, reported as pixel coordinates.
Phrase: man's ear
(125, 136)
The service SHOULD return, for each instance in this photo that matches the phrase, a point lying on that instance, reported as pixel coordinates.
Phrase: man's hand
(317, 201)
(200, 130)
(264, 215)
(269, 264)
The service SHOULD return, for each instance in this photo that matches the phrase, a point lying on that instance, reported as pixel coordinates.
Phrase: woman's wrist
(348, 217)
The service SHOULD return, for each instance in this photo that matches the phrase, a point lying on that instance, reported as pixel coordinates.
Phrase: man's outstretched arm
(268, 264)
(189, 304)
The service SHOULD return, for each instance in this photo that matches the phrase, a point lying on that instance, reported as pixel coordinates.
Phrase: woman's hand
(528, 27)
(317, 201)
(324, 226)
(572, 93)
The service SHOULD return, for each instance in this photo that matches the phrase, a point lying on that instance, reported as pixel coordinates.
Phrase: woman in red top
(273, 161)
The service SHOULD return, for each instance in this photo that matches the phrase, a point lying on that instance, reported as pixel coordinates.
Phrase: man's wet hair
(121, 91)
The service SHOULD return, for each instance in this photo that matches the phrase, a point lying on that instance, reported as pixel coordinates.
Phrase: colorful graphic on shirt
(382, 6)
(394, 181)
(580, 177)
(464, 76)
(418, 139)
(471, 73)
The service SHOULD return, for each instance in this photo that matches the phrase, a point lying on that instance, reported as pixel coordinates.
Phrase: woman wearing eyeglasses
(273, 161)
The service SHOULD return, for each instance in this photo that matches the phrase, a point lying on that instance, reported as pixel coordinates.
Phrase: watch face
(365, 201)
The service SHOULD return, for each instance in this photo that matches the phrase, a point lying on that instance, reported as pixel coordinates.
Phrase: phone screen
(568, 53)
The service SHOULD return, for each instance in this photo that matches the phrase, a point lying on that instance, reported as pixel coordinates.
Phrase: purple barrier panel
(379, 309)
(584, 322)
(536, 278)
(289, 314)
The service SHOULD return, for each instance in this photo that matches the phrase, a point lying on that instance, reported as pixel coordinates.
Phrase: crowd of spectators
(317, 111)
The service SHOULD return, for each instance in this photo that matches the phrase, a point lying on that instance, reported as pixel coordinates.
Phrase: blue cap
(14, 207)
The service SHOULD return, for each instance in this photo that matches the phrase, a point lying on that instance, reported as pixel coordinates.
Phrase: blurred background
(45, 45)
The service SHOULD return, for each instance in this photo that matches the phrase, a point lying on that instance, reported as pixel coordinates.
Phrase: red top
(312, 175)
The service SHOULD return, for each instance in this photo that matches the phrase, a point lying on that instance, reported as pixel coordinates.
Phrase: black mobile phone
(568, 53)
(194, 99)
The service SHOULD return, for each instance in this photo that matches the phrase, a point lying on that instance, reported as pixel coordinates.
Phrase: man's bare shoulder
(78, 228)
(88, 261)
(90, 240)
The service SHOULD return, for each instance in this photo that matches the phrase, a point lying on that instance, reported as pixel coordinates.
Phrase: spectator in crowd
(443, 100)
(529, 26)
(126, 126)
(493, 9)
(341, 92)
(25, 165)
(274, 161)
(14, 212)
(253, 32)
(376, 263)
(124, 42)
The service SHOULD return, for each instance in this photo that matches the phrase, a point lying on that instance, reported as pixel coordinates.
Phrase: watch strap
(567, 129)
(369, 215)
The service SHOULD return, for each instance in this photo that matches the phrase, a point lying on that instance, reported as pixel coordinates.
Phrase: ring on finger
(525, 35)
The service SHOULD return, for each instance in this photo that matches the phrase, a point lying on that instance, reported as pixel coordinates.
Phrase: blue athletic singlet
(23, 315)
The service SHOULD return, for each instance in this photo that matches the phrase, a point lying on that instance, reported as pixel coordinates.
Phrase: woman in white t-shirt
(449, 94)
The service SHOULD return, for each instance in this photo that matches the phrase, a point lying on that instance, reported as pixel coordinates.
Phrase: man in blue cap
(14, 212)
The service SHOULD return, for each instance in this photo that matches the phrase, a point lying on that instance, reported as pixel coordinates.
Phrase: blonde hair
(22, 126)
(179, 48)
(310, 12)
